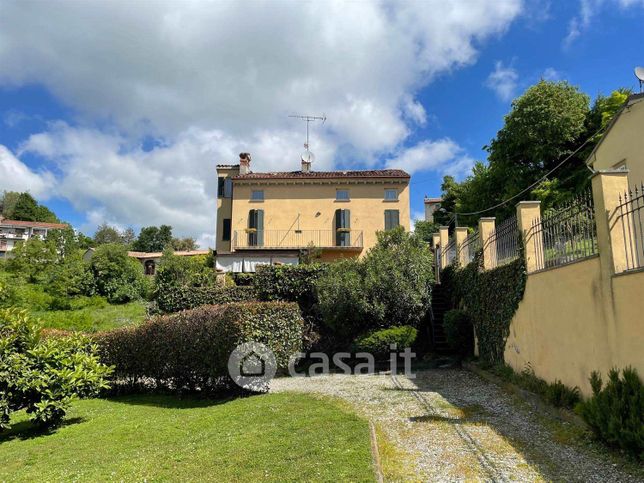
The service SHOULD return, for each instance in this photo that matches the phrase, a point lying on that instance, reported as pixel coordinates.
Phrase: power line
(536, 182)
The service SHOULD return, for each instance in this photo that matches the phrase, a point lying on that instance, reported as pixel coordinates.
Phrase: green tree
(425, 229)
(27, 209)
(33, 260)
(107, 234)
(184, 244)
(117, 277)
(153, 239)
(8, 203)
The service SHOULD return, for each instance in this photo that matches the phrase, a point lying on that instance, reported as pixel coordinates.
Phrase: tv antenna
(308, 155)
(639, 73)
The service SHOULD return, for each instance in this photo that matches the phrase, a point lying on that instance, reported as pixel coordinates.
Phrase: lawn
(269, 437)
(93, 318)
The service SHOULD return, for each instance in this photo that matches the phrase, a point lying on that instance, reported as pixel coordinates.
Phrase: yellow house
(270, 217)
(622, 145)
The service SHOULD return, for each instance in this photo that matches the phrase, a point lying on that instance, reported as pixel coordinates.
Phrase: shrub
(44, 375)
(118, 277)
(290, 283)
(243, 279)
(459, 332)
(562, 396)
(174, 271)
(389, 287)
(379, 342)
(190, 350)
(174, 299)
(616, 412)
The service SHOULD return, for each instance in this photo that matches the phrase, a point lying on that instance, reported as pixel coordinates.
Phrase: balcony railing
(295, 239)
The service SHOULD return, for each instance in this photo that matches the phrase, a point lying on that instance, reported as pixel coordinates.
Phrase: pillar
(528, 219)
(443, 233)
(486, 228)
(461, 254)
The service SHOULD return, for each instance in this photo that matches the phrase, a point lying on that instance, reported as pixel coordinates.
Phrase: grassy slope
(92, 319)
(268, 437)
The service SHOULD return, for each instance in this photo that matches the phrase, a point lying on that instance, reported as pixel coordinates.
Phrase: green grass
(273, 437)
(93, 318)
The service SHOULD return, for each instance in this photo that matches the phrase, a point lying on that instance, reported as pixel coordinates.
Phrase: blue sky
(117, 113)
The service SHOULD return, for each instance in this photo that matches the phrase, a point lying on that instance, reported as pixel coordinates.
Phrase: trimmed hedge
(292, 283)
(174, 299)
(190, 350)
(378, 342)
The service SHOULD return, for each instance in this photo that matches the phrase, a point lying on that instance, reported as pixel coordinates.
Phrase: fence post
(444, 241)
(528, 216)
(461, 235)
(486, 228)
(436, 239)
(613, 235)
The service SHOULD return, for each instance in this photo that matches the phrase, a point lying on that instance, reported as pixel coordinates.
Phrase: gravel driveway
(452, 425)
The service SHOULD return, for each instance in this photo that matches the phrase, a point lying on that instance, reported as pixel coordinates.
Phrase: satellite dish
(639, 73)
(308, 156)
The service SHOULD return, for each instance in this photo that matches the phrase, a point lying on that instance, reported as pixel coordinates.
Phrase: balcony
(296, 239)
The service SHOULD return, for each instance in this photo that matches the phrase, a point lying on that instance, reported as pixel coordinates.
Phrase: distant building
(268, 218)
(15, 232)
(431, 205)
(622, 145)
(149, 260)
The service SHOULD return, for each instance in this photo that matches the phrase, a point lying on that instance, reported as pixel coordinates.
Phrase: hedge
(490, 298)
(190, 350)
(379, 342)
(292, 283)
(174, 299)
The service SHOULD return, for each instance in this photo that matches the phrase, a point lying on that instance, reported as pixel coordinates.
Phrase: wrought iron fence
(565, 234)
(450, 251)
(629, 214)
(470, 246)
(503, 243)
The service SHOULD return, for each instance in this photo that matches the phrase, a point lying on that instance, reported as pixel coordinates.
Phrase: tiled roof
(433, 200)
(373, 173)
(31, 224)
(159, 254)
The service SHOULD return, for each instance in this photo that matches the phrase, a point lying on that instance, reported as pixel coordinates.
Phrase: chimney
(306, 166)
(244, 163)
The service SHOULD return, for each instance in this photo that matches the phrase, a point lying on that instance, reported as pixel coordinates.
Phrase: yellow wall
(307, 205)
(624, 141)
(574, 319)
(224, 209)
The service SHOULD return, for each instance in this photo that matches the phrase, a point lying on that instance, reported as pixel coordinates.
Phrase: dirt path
(453, 425)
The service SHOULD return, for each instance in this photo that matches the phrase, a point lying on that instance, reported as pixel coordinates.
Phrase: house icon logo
(252, 366)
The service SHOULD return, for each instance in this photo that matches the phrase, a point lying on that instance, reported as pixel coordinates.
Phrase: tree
(107, 234)
(33, 259)
(425, 229)
(26, 208)
(117, 277)
(184, 244)
(153, 239)
(8, 203)
(128, 236)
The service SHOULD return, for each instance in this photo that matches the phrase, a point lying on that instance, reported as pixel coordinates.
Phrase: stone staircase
(440, 305)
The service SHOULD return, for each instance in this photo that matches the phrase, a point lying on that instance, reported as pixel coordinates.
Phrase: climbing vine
(490, 297)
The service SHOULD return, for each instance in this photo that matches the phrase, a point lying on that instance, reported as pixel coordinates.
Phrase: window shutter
(220, 186)
(260, 227)
(228, 188)
(395, 221)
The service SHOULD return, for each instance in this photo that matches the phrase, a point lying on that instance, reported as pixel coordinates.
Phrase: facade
(14, 232)
(270, 217)
(622, 145)
(431, 206)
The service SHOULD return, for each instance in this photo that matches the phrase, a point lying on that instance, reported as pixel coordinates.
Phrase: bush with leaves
(43, 375)
(615, 412)
(190, 350)
(379, 342)
(291, 283)
(175, 299)
(389, 287)
(459, 332)
(117, 277)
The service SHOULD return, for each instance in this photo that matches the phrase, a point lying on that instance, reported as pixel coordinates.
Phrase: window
(391, 195)
(257, 195)
(342, 228)
(225, 232)
(255, 228)
(224, 187)
(392, 219)
(342, 195)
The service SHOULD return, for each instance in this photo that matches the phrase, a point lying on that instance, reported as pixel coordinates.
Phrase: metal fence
(470, 246)
(630, 213)
(450, 251)
(503, 243)
(565, 234)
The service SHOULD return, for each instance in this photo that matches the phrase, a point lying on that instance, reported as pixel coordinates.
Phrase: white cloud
(17, 176)
(443, 155)
(211, 79)
(503, 81)
(551, 74)
(588, 9)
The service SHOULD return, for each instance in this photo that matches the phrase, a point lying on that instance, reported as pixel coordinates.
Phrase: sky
(119, 111)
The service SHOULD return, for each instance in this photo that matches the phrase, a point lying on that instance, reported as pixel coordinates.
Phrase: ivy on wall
(490, 297)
